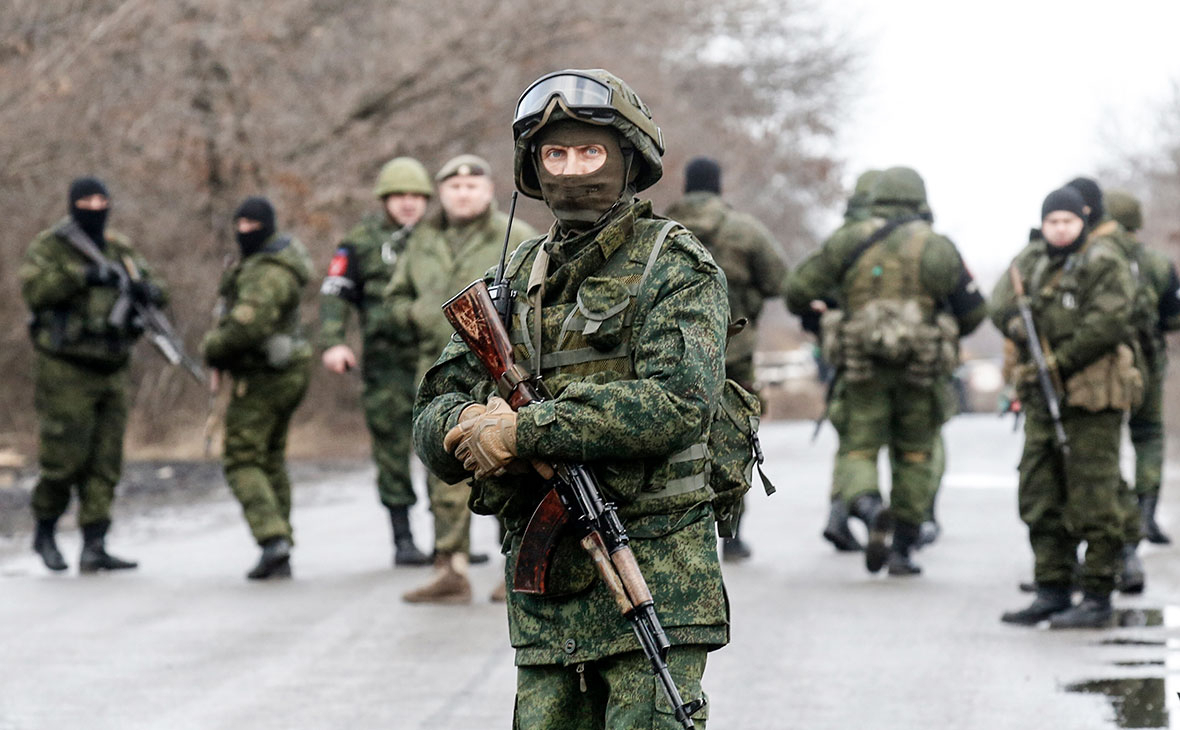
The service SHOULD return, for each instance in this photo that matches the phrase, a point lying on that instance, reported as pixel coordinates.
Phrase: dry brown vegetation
(185, 107)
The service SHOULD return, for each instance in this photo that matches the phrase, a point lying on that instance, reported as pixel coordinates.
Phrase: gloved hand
(101, 276)
(485, 441)
(1014, 329)
(146, 292)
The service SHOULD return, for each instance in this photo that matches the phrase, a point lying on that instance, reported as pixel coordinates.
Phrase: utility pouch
(831, 339)
(279, 349)
(735, 453)
(1112, 382)
(603, 302)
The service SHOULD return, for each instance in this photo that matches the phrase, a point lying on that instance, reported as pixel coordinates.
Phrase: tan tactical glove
(487, 442)
(467, 416)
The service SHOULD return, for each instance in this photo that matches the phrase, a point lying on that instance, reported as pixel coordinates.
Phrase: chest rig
(590, 337)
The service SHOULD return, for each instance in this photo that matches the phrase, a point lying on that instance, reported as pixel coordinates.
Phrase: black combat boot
(275, 560)
(1151, 530)
(1051, 599)
(45, 545)
(404, 550)
(94, 552)
(878, 520)
(928, 532)
(1132, 578)
(735, 550)
(905, 536)
(1094, 612)
(837, 532)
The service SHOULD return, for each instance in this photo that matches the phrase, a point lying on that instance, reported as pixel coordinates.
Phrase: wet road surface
(186, 642)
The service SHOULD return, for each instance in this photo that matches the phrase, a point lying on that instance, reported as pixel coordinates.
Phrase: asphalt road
(186, 642)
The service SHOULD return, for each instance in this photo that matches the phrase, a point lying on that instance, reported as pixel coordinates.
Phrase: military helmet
(1125, 209)
(899, 185)
(865, 183)
(403, 175)
(594, 96)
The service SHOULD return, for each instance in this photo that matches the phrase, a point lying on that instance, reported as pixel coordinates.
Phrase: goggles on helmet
(584, 97)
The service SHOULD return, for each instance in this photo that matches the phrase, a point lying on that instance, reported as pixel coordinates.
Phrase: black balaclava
(256, 209)
(93, 222)
(579, 201)
(1092, 194)
(1068, 199)
(702, 174)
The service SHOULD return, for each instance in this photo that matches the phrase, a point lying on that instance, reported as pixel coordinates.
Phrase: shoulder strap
(878, 235)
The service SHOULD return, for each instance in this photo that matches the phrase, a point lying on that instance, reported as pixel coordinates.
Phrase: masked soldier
(902, 300)
(360, 270)
(79, 280)
(624, 314)
(1079, 290)
(446, 252)
(754, 272)
(1156, 273)
(259, 343)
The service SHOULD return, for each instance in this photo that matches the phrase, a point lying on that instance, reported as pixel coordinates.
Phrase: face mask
(93, 222)
(251, 242)
(582, 198)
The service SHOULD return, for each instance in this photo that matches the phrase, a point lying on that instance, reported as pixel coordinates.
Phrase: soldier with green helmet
(754, 272)
(360, 270)
(445, 253)
(1080, 292)
(902, 299)
(83, 332)
(259, 343)
(624, 314)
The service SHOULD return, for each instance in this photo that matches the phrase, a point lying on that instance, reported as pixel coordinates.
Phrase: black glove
(146, 292)
(101, 276)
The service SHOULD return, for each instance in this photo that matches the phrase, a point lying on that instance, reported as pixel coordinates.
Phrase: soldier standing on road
(259, 343)
(630, 315)
(83, 347)
(446, 252)
(903, 299)
(360, 270)
(1080, 292)
(754, 272)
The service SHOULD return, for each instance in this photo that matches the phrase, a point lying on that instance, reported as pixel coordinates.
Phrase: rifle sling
(878, 235)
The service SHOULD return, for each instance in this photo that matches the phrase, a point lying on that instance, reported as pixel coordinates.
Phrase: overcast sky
(996, 104)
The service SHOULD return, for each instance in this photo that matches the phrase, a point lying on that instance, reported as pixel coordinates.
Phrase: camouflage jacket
(1158, 294)
(258, 325)
(440, 260)
(361, 268)
(69, 317)
(747, 253)
(630, 392)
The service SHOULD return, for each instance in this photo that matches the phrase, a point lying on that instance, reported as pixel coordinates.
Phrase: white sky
(998, 103)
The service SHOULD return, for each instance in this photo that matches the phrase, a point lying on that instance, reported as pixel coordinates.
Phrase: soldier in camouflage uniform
(1080, 291)
(903, 298)
(259, 343)
(80, 381)
(1156, 272)
(357, 277)
(754, 271)
(446, 252)
(633, 398)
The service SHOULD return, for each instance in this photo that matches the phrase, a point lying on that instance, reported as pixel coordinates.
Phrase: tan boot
(499, 593)
(449, 583)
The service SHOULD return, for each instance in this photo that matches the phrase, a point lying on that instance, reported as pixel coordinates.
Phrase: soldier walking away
(902, 298)
(624, 314)
(258, 343)
(445, 253)
(361, 268)
(754, 272)
(1067, 304)
(82, 283)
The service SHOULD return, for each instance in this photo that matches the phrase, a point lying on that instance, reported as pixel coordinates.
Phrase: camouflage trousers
(887, 412)
(618, 692)
(1068, 501)
(452, 517)
(388, 401)
(256, 423)
(82, 415)
(1147, 438)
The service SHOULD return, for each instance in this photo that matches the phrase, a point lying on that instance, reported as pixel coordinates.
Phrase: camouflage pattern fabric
(753, 265)
(624, 425)
(361, 269)
(1082, 305)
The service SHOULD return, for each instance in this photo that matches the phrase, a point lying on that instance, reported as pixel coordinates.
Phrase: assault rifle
(1043, 375)
(575, 501)
(128, 307)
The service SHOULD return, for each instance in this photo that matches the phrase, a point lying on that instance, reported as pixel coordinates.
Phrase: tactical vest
(81, 329)
(288, 344)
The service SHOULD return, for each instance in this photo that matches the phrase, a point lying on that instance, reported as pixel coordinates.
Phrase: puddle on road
(1137, 703)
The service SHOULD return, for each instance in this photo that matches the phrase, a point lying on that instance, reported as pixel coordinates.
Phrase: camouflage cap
(899, 185)
(463, 165)
(403, 175)
(1125, 209)
(617, 105)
